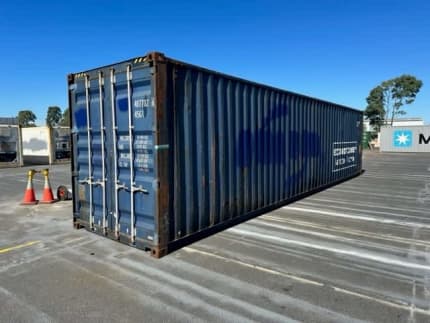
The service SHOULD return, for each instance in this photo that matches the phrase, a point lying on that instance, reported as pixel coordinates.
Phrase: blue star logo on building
(402, 138)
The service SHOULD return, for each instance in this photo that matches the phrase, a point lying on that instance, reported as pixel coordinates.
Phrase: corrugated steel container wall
(195, 151)
(413, 139)
(61, 143)
(10, 145)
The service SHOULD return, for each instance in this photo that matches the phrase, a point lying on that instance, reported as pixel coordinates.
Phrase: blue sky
(335, 50)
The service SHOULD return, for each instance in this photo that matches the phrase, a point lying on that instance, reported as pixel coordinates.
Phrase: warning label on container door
(345, 155)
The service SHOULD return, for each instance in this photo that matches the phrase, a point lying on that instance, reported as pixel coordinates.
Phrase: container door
(134, 166)
(91, 152)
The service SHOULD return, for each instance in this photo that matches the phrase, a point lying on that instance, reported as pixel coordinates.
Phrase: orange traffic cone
(48, 196)
(29, 195)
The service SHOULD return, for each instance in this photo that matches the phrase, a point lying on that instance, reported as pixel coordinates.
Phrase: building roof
(402, 119)
(407, 119)
(8, 121)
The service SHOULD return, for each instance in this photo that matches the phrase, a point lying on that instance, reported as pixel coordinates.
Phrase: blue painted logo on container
(402, 138)
(302, 145)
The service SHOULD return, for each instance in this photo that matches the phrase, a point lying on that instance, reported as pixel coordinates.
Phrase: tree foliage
(375, 111)
(26, 118)
(65, 119)
(53, 116)
(385, 101)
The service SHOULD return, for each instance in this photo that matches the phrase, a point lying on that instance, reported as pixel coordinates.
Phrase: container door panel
(98, 153)
(144, 148)
(80, 119)
(134, 140)
(122, 143)
(88, 126)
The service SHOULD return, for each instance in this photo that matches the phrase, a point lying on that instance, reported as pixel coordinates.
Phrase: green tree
(26, 118)
(385, 102)
(375, 111)
(53, 116)
(65, 119)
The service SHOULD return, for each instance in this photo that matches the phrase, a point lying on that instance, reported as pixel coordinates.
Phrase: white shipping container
(44, 145)
(405, 139)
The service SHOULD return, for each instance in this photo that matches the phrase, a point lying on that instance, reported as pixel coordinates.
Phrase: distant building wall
(405, 139)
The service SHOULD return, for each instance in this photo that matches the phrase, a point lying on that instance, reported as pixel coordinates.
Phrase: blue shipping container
(165, 153)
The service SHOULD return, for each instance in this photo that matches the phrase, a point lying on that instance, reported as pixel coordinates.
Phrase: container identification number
(141, 105)
(344, 155)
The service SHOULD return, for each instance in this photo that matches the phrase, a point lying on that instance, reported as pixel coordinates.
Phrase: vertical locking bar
(115, 154)
(131, 155)
(102, 138)
(87, 98)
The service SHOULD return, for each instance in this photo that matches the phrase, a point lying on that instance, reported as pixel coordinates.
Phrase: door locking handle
(139, 189)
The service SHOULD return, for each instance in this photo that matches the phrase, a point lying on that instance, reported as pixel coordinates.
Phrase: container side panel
(278, 146)
(260, 148)
(222, 139)
(189, 153)
(272, 147)
(241, 148)
(265, 146)
(231, 173)
(179, 197)
(212, 143)
(240, 116)
(245, 140)
(204, 153)
(179, 149)
(253, 148)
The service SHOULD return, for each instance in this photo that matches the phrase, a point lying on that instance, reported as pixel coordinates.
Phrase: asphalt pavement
(358, 251)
